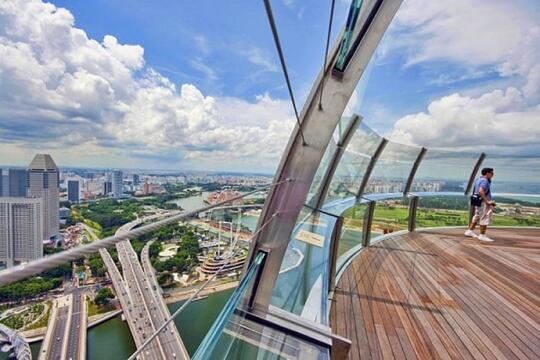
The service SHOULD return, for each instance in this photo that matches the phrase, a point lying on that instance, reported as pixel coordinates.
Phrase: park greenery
(103, 296)
(186, 256)
(23, 319)
(34, 286)
(392, 215)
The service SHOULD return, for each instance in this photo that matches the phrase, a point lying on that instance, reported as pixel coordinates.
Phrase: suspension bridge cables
(326, 52)
(268, 8)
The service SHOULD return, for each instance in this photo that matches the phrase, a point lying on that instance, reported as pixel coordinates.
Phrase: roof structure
(42, 162)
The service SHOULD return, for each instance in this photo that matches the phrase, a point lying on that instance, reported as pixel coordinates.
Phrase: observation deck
(436, 294)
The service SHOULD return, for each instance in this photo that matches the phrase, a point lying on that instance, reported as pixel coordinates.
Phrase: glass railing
(302, 284)
(239, 334)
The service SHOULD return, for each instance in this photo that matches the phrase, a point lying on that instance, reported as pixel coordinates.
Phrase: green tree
(103, 296)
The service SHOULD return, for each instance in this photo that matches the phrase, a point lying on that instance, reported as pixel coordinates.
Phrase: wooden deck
(437, 294)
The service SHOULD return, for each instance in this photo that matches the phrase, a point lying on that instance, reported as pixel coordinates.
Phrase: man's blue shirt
(482, 182)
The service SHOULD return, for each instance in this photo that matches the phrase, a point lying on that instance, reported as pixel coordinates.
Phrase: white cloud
(489, 122)
(258, 56)
(61, 90)
(480, 36)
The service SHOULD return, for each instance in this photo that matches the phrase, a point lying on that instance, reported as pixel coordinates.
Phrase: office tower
(3, 183)
(136, 180)
(107, 187)
(17, 182)
(117, 186)
(43, 179)
(21, 229)
(73, 190)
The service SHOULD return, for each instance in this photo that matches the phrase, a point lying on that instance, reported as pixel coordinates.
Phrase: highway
(169, 338)
(140, 297)
(56, 339)
(76, 342)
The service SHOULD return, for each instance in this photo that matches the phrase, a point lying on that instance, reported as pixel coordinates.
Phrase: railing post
(413, 207)
(334, 246)
(416, 164)
(368, 220)
(474, 172)
(336, 157)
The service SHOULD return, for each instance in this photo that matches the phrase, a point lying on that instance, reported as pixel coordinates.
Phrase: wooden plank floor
(439, 295)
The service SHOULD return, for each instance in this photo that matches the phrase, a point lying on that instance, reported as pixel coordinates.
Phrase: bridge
(140, 297)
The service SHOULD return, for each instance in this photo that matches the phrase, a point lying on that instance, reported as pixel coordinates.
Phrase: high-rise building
(136, 180)
(21, 229)
(117, 186)
(107, 187)
(73, 189)
(4, 180)
(43, 179)
(17, 182)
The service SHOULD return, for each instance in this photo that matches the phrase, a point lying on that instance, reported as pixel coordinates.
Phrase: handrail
(38, 266)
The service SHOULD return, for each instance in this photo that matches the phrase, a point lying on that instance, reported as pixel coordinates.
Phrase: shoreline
(211, 289)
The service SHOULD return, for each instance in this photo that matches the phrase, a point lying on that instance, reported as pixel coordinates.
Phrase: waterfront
(193, 202)
(112, 340)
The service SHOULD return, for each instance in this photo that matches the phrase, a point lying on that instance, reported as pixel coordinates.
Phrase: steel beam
(474, 172)
(368, 221)
(413, 207)
(412, 174)
(320, 196)
(371, 166)
(301, 161)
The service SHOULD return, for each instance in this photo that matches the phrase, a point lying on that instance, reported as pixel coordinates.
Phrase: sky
(197, 85)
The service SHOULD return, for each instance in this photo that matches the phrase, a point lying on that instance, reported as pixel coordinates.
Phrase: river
(112, 339)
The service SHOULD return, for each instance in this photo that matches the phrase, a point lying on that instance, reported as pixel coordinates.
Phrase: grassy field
(393, 216)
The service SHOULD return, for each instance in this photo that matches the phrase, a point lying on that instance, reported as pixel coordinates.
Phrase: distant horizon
(217, 172)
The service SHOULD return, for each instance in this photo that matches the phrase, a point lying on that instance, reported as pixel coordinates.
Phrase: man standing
(483, 210)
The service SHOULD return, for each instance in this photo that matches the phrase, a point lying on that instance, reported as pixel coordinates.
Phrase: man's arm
(482, 193)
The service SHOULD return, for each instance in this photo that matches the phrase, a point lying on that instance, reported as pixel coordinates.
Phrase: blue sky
(197, 85)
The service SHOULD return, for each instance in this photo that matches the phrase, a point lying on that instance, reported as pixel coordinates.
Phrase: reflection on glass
(236, 336)
(302, 284)
(353, 164)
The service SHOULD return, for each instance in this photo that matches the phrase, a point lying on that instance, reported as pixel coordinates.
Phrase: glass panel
(517, 210)
(444, 171)
(351, 233)
(515, 175)
(331, 150)
(392, 169)
(235, 336)
(302, 284)
(439, 211)
(353, 164)
(390, 215)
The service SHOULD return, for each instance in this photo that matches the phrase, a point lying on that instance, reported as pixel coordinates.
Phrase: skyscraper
(117, 186)
(73, 189)
(43, 180)
(136, 180)
(107, 187)
(3, 183)
(17, 182)
(21, 229)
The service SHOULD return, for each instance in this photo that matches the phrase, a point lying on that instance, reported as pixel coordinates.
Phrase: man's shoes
(470, 233)
(484, 238)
